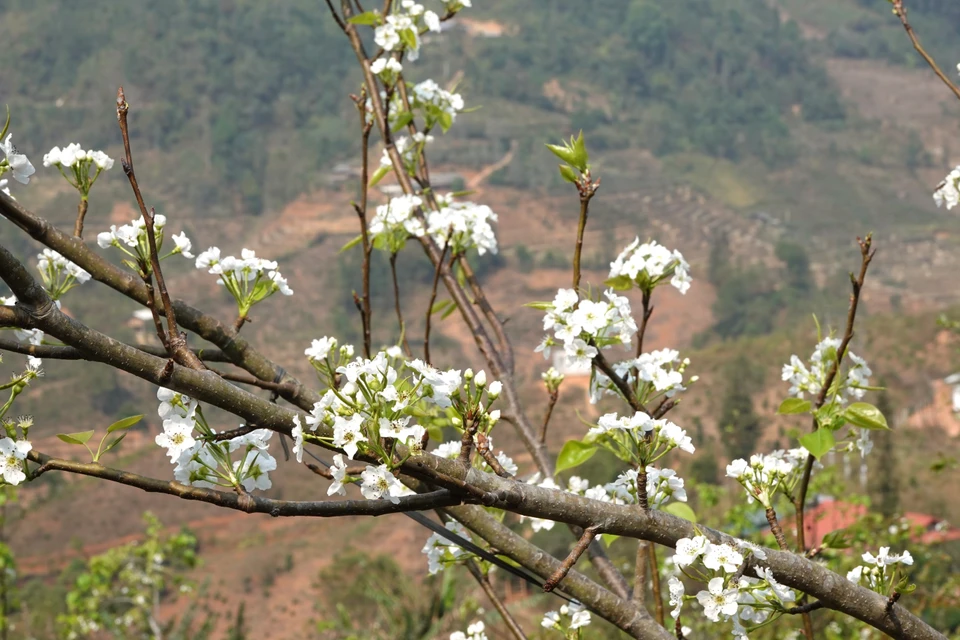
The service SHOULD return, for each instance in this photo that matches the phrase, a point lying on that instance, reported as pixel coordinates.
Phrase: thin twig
(484, 582)
(361, 209)
(655, 584)
(396, 301)
(588, 535)
(805, 608)
(483, 448)
(554, 396)
(900, 11)
(177, 341)
(866, 255)
(600, 362)
(585, 195)
(433, 297)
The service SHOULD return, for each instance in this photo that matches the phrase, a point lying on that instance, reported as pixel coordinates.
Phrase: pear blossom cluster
(880, 572)
(132, 240)
(476, 631)
(401, 31)
(59, 275)
(651, 375)
(436, 104)
(249, 279)
(575, 323)
(442, 553)
(948, 192)
(464, 225)
(74, 156)
(370, 404)
(810, 379)
(765, 475)
(648, 265)
(552, 379)
(396, 221)
(388, 68)
(569, 620)
(242, 461)
(639, 438)
(729, 596)
(15, 443)
(409, 149)
(451, 451)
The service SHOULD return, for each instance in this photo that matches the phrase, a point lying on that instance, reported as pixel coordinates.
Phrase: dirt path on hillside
(474, 182)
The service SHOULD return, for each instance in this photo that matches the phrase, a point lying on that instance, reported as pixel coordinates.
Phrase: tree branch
(246, 502)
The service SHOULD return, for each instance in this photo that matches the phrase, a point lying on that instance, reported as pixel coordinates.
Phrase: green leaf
(839, 539)
(379, 175)
(564, 153)
(620, 283)
(126, 423)
(436, 432)
(819, 442)
(367, 17)
(865, 416)
(543, 306)
(450, 310)
(574, 454)
(114, 443)
(80, 437)
(445, 120)
(608, 539)
(439, 306)
(794, 405)
(409, 38)
(581, 158)
(568, 174)
(681, 510)
(402, 120)
(352, 243)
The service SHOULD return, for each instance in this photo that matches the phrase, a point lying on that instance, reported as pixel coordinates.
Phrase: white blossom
(379, 483)
(12, 456)
(15, 161)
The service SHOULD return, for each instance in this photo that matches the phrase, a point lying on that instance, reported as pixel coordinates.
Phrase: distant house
(830, 515)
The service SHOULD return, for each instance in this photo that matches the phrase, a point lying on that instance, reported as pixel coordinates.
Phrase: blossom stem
(81, 213)
(776, 529)
(588, 535)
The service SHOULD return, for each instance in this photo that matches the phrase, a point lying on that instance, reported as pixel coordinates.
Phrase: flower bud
(468, 375)
(495, 388)
(481, 379)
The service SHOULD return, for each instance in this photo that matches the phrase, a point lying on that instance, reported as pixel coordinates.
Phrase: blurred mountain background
(757, 137)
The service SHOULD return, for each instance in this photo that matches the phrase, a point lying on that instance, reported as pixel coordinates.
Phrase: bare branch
(248, 503)
(588, 535)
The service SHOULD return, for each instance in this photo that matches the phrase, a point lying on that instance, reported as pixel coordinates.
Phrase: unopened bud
(481, 379)
(495, 388)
